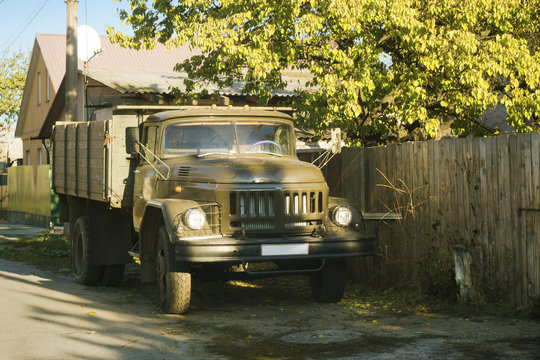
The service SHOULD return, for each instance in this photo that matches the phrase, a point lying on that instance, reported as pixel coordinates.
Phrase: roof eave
(27, 86)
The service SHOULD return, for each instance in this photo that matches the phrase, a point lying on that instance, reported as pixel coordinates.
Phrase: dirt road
(45, 315)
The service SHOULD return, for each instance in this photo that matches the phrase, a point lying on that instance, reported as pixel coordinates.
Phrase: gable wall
(36, 113)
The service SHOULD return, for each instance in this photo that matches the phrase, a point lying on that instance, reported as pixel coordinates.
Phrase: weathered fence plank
(533, 244)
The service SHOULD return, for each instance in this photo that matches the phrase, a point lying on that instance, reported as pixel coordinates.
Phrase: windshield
(208, 138)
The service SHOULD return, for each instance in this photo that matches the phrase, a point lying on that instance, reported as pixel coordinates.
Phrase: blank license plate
(286, 249)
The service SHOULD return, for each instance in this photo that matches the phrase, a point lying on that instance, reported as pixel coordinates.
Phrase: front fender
(170, 209)
(156, 211)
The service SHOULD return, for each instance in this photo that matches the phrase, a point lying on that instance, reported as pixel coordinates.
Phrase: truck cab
(229, 192)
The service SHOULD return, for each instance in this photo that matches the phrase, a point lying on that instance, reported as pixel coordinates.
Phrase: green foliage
(50, 251)
(442, 60)
(13, 67)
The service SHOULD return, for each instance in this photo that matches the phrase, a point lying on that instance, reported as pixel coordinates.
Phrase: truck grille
(298, 203)
(252, 203)
(274, 210)
(254, 224)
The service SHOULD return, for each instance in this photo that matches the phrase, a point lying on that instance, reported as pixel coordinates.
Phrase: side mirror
(132, 140)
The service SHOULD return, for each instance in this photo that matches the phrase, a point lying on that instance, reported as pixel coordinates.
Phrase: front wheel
(174, 288)
(328, 285)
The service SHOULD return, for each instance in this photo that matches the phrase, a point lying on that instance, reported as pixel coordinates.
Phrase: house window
(40, 156)
(28, 162)
(48, 85)
(39, 88)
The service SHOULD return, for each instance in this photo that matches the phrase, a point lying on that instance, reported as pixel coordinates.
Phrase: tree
(13, 67)
(378, 66)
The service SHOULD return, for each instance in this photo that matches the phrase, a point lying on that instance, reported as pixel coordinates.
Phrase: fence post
(462, 261)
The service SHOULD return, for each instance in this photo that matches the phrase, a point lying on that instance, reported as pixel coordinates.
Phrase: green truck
(193, 193)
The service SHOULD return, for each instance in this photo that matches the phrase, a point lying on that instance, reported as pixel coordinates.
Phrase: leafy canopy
(13, 67)
(379, 67)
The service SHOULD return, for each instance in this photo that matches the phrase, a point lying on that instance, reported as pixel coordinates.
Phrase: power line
(27, 22)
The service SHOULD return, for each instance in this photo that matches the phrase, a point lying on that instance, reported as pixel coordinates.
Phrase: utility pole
(71, 79)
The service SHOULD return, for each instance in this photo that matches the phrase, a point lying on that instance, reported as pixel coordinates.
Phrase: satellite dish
(88, 44)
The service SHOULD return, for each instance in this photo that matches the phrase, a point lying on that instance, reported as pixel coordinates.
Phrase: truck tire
(174, 288)
(328, 285)
(112, 275)
(81, 254)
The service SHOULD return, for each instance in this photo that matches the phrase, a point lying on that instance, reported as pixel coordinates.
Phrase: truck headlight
(195, 218)
(342, 215)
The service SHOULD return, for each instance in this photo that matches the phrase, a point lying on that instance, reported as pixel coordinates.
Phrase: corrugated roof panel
(128, 80)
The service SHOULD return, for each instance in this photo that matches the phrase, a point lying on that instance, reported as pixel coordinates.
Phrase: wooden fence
(481, 193)
(30, 198)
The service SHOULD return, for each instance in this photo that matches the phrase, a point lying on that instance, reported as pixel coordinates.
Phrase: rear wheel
(174, 288)
(81, 254)
(328, 284)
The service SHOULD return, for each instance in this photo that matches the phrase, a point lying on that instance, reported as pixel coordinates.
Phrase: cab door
(145, 175)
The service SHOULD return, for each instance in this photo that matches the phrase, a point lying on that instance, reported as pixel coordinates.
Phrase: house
(116, 76)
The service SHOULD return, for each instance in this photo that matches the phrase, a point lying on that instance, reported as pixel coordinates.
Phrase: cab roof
(218, 114)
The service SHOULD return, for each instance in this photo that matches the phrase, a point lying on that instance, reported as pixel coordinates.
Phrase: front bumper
(228, 249)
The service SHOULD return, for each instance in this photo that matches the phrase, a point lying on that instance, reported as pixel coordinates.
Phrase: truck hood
(248, 169)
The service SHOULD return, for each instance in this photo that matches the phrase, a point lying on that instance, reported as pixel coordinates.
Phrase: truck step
(134, 253)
